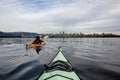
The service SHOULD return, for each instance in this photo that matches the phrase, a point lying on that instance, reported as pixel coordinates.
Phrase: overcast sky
(49, 16)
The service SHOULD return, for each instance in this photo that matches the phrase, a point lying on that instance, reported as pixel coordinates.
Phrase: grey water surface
(92, 58)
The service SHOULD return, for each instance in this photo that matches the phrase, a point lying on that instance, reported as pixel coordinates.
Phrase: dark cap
(37, 37)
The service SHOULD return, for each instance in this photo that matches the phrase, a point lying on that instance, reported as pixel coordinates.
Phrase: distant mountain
(17, 34)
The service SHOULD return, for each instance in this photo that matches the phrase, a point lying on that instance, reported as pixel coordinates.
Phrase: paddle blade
(46, 37)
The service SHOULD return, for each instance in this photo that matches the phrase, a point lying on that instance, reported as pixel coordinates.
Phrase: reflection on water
(92, 58)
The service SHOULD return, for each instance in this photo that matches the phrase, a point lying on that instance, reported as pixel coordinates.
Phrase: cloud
(55, 15)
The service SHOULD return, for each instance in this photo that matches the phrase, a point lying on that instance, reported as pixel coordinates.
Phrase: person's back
(37, 40)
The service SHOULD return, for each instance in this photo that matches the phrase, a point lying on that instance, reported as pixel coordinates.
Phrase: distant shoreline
(62, 37)
(58, 35)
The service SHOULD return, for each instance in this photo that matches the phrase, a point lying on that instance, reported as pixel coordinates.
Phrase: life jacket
(37, 41)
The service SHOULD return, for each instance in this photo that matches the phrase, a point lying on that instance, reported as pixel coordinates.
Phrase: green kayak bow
(59, 69)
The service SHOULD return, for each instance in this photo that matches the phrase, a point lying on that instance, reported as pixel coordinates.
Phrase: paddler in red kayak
(38, 41)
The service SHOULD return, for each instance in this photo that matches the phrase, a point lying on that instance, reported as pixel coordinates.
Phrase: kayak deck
(35, 45)
(59, 75)
(59, 69)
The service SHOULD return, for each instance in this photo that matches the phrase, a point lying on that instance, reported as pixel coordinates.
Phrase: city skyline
(62, 34)
(53, 16)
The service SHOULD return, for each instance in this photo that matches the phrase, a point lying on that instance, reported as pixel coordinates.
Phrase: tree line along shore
(55, 35)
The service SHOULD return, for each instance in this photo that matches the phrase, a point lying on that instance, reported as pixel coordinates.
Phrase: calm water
(92, 58)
